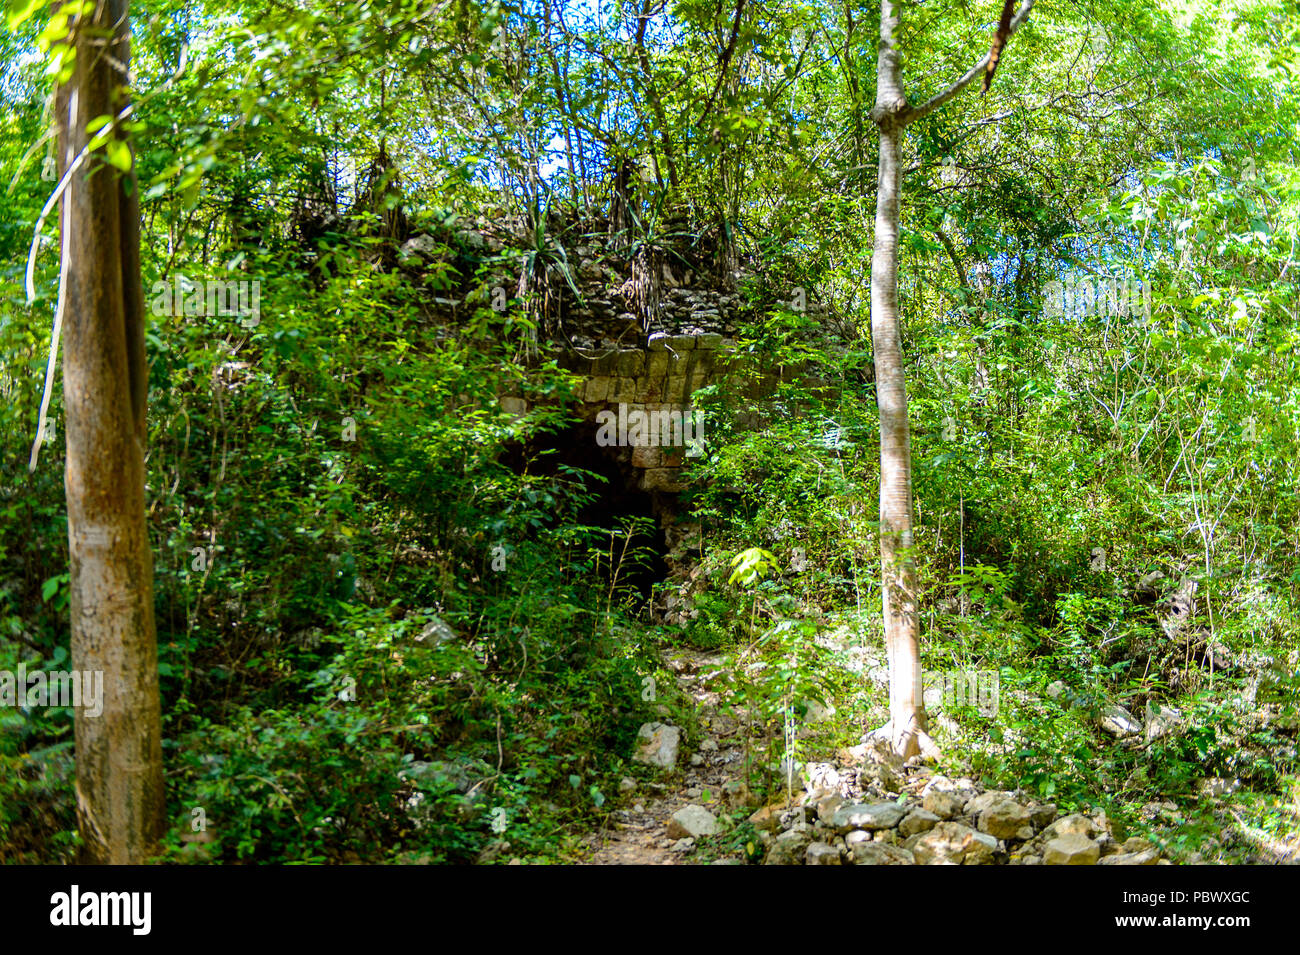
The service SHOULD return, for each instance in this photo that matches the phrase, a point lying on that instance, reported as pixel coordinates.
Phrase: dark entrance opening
(632, 544)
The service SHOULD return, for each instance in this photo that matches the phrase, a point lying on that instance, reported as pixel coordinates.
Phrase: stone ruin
(634, 369)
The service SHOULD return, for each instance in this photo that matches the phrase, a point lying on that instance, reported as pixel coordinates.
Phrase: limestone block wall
(640, 400)
(631, 371)
(635, 399)
(656, 382)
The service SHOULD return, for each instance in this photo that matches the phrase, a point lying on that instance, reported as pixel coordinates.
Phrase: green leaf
(751, 565)
(51, 587)
(118, 154)
(22, 14)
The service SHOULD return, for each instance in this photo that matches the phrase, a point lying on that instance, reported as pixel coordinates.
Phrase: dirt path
(638, 834)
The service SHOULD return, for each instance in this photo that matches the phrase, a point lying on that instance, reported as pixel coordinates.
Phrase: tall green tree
(907, 727)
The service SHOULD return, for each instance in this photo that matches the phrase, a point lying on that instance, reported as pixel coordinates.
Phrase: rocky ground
(866, 807)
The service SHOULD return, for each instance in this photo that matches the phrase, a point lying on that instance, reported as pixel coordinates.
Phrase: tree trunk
(120, 798)
(907, 728)
(907, 720)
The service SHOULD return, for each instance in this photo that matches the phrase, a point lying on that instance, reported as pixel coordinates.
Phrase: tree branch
(956, 261)
(969, 76)
(725, 62)
(999, 41)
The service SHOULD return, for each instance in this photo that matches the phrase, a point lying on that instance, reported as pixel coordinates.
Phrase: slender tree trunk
(907, 728)
(120, 804)
(907, 720)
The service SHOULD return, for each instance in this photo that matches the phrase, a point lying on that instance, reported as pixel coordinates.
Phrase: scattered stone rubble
(872, 808)
(934, 820)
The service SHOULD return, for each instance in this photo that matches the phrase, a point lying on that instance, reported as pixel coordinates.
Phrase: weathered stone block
(1001, 817)
(597, 389)
(672, 457)
(602, 364)
(649, 389)
(883, 815)
(819, 853)
(572, 361)
(631, 363)
(645, 458)
(879, 853)
(623, 389)
(945, 844)
(917, 821)
(1071, 849)
(661, 479)
(692, 822)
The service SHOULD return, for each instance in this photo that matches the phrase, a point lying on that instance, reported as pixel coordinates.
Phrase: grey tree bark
(907, 728)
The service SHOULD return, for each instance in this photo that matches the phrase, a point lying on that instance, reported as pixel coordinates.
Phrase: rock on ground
(1162, 721)
(1005, 818)
(1145, 857)
(881, 815)
(692, 822)
(1119, 722)
(1071, 849)
(820, 853)
(879, 853)
(1074, 824)
(945, 805)
(945, 844)
(917, 821)
(657, 745)
(788, 848)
